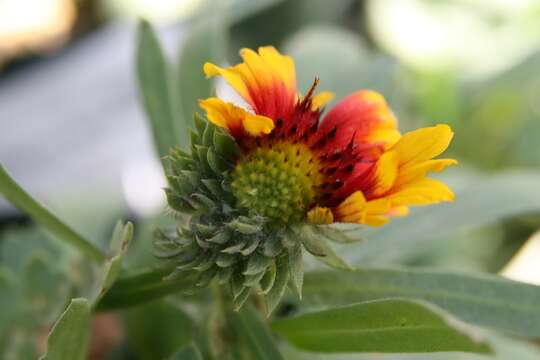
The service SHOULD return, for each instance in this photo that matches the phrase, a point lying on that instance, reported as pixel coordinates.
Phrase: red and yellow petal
(236, 120)
(398, 179)
(266, 80)
(362, 117)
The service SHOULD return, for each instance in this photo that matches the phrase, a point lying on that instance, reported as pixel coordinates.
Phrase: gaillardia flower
(263, 183)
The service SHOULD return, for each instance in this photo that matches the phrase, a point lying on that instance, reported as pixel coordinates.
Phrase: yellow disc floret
(278, 180)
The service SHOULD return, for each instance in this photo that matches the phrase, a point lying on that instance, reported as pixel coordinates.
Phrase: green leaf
(143, 287)
(156, 330)
(190, 352)
(24, 202)
(206, 41)
(505, 349)
(384, 326)
(69, 337)
(158, 92)
(120, 241)
(254, 334)
(483, 300)
(483, 200)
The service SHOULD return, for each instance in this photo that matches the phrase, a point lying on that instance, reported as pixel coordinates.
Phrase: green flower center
(278, 180)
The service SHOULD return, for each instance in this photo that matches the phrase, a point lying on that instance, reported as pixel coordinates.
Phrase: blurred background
(73, 133)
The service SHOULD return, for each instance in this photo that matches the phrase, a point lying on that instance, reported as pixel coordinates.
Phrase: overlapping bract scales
(214, 238)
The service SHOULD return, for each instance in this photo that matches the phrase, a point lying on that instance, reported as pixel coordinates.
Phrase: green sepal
(296, 268)
(320, 248)
(331, 233)
(217, 163)
(269, 278)
(225, 145)
(200, 123)
(280, 284)
(241, 298)
(256, 264)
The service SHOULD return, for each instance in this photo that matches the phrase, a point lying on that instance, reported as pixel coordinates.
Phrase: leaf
(158, 92)
(383, 326)
(156, 330)
(483, 300)
(206, 41)
(69, 337)
(504, 348)
(254, 334)
(120, 241)
(41, 215)
(483, 200)
(190, 352)
(143, 287)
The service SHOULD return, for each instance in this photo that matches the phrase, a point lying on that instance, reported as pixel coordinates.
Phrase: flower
(260, 185)
(353, 166)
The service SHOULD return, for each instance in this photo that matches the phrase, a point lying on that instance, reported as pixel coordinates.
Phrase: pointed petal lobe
(266, 80)
(235, 119)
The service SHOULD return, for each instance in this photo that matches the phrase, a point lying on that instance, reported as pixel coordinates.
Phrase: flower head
(262, 183)
(353, 163)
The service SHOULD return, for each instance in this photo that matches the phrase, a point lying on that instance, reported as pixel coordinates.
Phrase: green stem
(24, 202)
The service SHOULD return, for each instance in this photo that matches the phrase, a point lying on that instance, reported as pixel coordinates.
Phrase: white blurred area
(476, 38)
(525, 266)
(161, 11)
(34, 25)
(38, 26)
(143, 183)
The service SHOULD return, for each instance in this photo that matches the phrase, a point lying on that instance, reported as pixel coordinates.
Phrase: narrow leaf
(384, 326)
(158, 93)
(120, 241)
(70, 335)
(41, 215)
(144, 287)
(479, 299)
(206, 41)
